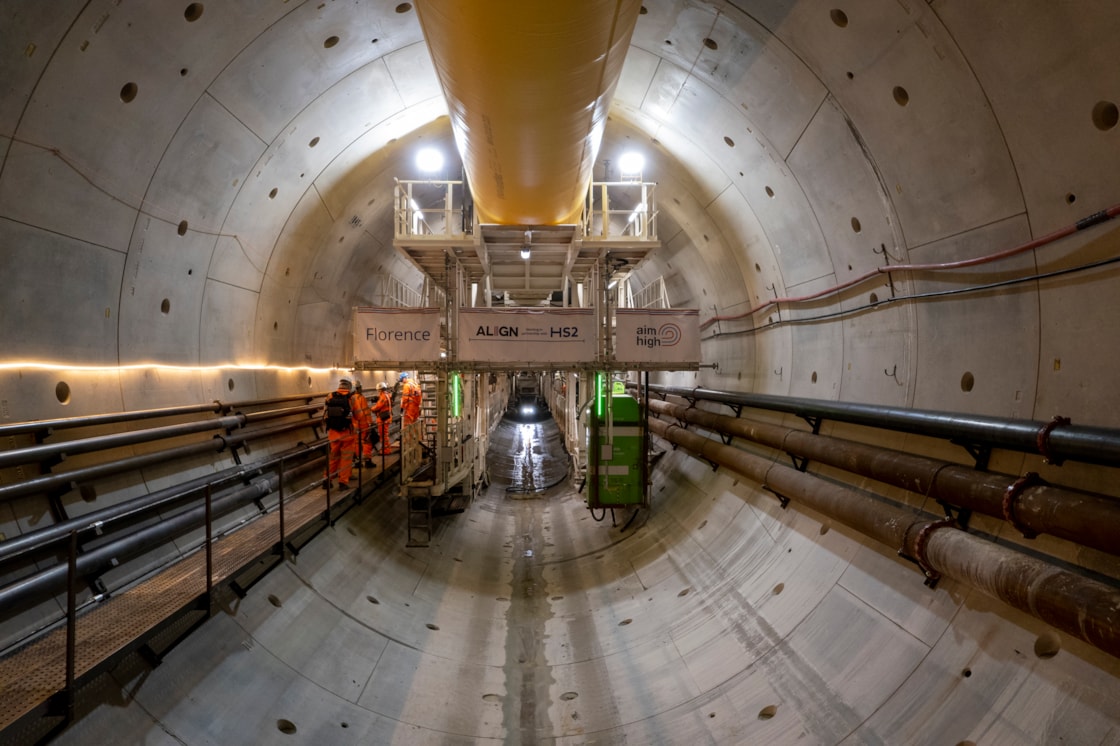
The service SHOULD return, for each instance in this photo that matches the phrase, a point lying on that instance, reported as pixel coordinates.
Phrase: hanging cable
(1087, 222)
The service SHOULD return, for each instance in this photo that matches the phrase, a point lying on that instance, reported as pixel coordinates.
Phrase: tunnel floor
(527, 457)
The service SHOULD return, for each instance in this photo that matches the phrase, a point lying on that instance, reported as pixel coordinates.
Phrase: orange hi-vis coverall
(363, 419)
(342, 442)
(383, 404)
(410, 401)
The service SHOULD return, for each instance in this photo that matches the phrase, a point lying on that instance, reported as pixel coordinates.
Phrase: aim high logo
(666, 335)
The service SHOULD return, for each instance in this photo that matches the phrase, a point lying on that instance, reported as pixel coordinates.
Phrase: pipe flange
(932, 575)
(1042, 440)
(1011, 494)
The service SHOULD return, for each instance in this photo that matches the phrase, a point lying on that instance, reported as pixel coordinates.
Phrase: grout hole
(273, 193)
(967, 381)
(1105, 115)
(778, 588)
(901, 97)
(128, 92)
(856, 226)
(1047, 645)
(330, 42)
(182, 227)
(285, 726)
(193, 12)
(729, 141)
(404, 7)
(165, 306)
(767, 712)
(769, 192)
(62, 392)
(710, 43)
(839, 17)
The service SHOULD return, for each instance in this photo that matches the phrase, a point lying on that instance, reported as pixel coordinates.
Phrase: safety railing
(652, 295)
(620, 210)
(430, 209)
(265, 507)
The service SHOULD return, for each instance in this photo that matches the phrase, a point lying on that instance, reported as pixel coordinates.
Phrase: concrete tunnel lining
(786, 162)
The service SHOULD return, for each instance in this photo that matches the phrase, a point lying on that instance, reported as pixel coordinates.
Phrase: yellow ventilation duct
(528, 85)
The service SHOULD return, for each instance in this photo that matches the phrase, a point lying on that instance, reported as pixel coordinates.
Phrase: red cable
(1092, 220)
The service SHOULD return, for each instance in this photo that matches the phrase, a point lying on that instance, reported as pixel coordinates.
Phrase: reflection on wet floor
(527, 457)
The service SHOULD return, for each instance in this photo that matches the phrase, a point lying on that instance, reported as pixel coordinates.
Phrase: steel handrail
(51, 580)
(106, 520)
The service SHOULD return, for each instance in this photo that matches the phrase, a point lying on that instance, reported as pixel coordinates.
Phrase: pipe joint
(1013, 492)
(921, 541)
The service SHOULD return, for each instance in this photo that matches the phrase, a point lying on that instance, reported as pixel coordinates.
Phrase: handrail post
(280, 492)
(71, 623)
(209, 551)
(329, 478)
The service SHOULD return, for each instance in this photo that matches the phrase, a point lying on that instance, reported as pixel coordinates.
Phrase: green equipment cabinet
(617, 464)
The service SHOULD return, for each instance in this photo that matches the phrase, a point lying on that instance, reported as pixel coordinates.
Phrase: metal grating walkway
(31, 675)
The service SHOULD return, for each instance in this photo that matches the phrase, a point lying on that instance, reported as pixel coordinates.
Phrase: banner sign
(397, 334)
(651, 335)
(511, 335)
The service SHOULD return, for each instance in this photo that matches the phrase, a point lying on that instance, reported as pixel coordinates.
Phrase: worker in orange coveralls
(383, 412)
(340, 421)
(410, 400)
(363, 417)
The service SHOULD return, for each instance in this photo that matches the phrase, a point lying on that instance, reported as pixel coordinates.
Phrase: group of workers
(350, 420)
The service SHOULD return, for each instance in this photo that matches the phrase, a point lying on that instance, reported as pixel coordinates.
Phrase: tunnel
(903, 205)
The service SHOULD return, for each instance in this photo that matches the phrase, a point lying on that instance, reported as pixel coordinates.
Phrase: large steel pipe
(528, 87)
(39, 453)
(47, 451)
(1085, 518)
(1081, 607)
(218, 443)
(1056, 440)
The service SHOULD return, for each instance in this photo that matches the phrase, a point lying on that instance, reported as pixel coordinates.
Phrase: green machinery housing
(617, 464)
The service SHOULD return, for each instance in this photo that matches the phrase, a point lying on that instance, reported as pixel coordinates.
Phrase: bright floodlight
(631, 164)
(429, 160)
(524, 252)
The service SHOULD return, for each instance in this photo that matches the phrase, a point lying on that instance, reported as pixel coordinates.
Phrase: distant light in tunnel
(429, 160)
(528, 409)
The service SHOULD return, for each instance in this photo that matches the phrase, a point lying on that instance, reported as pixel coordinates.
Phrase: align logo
(666, 335)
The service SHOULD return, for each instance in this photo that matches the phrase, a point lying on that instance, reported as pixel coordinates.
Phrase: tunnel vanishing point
(880, 508)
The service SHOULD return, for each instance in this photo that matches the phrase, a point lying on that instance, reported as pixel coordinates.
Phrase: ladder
(429, 412)
(419, 519)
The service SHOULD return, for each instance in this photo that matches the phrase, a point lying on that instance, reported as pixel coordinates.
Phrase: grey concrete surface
(190, 204)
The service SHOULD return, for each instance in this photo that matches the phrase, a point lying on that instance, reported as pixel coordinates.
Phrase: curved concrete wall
(208, 185)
